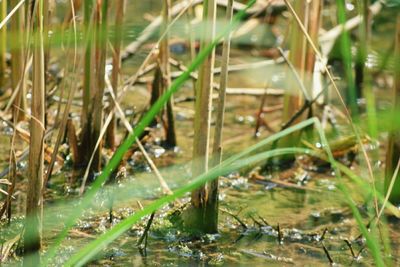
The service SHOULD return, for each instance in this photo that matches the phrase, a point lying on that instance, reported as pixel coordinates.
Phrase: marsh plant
(131, 123)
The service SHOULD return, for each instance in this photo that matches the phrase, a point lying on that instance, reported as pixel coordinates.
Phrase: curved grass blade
(90, 250)
(229, 165)
(148, 117)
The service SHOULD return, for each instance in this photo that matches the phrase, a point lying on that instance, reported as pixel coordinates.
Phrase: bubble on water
(240, 183)
(315, 214)
(158, 151)
(331, 187)
(129, 112)
(239, 119)
(9, 131)
(349, 6)
(250, 119)
(270, 186)
(22, 164)
(254, 38)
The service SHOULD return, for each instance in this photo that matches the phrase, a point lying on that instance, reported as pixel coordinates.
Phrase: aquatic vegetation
(193, 132)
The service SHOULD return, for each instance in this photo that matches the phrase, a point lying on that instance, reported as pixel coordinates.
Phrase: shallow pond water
(296, 219)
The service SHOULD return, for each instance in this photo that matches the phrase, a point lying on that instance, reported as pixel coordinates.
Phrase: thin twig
(296, 74)
(323, 234)
(99, 139)
(350, 247)
(11, 13)
(389, 190)
(163, 184)
(146, 231)
(235, 217)
(327, 254)
(280, 236)
(307, 105)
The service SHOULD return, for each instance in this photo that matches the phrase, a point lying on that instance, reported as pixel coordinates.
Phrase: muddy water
(279, 225)
(284, 226)
(308, 220)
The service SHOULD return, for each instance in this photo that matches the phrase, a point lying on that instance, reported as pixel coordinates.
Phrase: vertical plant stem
(3, 43)
(292, 99)
(116, 61)
(212, 200)
(76, 5)
(302, 58)
(192, 39)
(363, 80)
(166, 73)
(128, 142)
(198, 220)
(18, 81)
(86, 117)
(17, 78)
(34, 202)
(393, 150)
(47, 11)
(314, 24)
(217, 146)
(101, 54)
(156, 90)
(361, 56)
(66, 125)
(345, 45)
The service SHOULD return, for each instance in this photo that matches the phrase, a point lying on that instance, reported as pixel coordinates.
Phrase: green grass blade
(145, 121)
(90, 250)
(229, 165)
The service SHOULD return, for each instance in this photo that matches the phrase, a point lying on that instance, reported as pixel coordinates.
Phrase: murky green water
(283, 225)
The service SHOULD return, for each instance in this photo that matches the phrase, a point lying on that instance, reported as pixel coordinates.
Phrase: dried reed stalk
(86, 116)
(17, 50)
(34, 202)
(100, 66)
(212, 201)
(119, 18)
(302, 58)
(76, 5)
(166, 74)
(197, 220)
